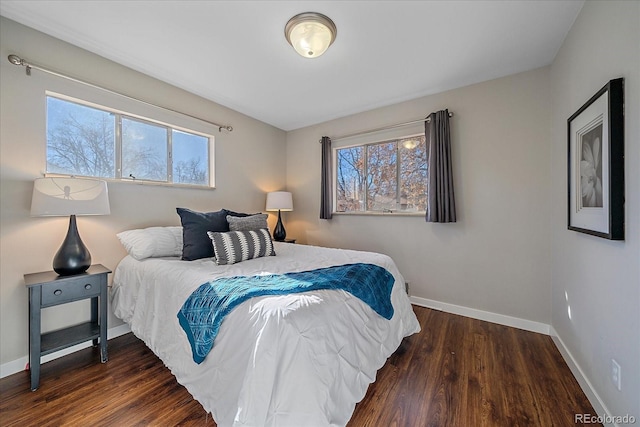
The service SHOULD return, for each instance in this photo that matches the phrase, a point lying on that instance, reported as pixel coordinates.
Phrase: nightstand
(47, 289)
(289, 240)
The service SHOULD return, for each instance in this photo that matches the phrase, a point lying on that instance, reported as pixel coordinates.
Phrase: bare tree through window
(87, 141)
(80, 140)
(190, 158)
(350, 182)
(382, 176)
(385, 176)
(144, 150)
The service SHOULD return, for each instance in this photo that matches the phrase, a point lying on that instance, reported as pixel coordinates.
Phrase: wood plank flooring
(456, 372)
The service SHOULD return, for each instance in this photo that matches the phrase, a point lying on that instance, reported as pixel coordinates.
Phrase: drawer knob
(87, 286)
(57, 292)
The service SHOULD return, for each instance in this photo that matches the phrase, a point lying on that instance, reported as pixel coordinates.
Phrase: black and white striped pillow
(235, 246)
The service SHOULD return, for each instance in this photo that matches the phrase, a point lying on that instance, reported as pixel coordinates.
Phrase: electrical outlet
(616, 374)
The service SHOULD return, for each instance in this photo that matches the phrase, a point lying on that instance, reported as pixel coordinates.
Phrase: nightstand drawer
(72, 290)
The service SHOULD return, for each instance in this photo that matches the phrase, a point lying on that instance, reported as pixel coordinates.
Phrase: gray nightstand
(47, 289)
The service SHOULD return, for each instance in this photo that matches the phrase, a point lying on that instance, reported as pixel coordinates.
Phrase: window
(86, 140)
(382, 176)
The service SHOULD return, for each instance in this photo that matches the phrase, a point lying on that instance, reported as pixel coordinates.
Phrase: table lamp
(62, 196)
(279, 201)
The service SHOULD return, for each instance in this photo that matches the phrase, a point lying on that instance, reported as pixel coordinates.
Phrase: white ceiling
(234, 52)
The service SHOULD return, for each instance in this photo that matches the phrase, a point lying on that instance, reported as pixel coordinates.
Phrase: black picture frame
(595, 140)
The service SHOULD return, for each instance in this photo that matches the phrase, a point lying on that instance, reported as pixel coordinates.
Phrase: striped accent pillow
(235, 246)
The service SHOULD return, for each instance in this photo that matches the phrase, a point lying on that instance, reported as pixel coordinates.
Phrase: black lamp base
(279, 233)
(73, 257)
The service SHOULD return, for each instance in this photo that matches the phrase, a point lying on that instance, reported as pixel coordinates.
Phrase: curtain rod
(397, 125)
(16, 60)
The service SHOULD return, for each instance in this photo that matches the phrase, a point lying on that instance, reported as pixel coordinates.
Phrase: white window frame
(118, 115)
(335, 177)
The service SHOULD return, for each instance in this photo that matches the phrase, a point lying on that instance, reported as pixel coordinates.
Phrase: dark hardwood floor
(456, 372)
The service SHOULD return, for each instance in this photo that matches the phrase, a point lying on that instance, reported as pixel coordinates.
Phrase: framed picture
(596, 164)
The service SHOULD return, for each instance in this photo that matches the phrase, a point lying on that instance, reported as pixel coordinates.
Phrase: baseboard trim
(18, 365)
(515, 322)
(595, 400)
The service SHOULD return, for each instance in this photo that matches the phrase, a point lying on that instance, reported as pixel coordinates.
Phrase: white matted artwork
(596, 164)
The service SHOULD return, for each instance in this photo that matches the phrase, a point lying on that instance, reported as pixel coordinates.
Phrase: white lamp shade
(69, 196)
(279, 201)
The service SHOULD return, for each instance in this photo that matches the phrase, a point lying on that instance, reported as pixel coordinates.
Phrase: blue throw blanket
(205, 309)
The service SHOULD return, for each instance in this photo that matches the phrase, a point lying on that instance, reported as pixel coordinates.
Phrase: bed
(301, 359)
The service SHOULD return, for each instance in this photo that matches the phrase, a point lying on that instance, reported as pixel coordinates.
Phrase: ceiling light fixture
(410, 144)
(310, 33)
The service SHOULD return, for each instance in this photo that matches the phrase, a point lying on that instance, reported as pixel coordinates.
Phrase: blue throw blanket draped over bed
(205, 309)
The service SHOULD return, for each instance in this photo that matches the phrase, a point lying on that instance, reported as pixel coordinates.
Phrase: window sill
(135, 181)
(394, 213)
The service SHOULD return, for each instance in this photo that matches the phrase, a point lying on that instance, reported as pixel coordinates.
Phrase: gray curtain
(325, 182)
(441, 205)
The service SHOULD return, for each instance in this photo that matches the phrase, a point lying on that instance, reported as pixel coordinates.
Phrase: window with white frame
(84, 139)
(386, 176)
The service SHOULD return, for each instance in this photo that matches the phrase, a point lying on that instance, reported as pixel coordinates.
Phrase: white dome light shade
(310, 33)
(410, 144)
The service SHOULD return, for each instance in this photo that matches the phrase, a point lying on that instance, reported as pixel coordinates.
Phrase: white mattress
(294, 360)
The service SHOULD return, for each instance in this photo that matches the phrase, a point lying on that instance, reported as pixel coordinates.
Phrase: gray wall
(496, 258)
(249, 163)
(599, 279)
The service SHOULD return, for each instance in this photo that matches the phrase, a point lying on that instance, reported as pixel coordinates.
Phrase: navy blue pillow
(196, 242)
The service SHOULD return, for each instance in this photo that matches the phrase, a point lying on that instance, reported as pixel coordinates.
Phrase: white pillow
(152, 242)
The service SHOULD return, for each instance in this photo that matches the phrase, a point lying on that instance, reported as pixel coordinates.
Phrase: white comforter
(294, 360)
